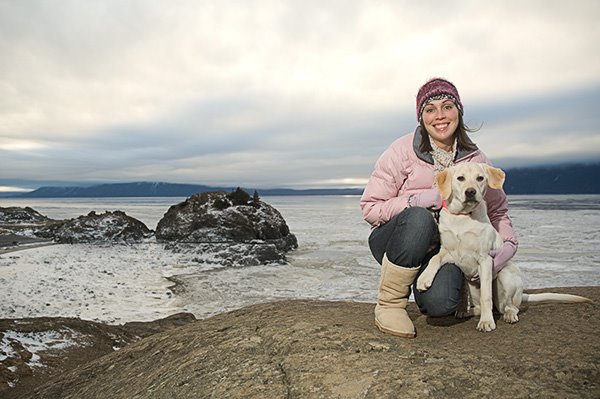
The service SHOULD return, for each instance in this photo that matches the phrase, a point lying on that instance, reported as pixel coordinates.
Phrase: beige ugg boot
(394, 290)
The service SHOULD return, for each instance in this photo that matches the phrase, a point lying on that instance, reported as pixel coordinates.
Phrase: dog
(467, 236)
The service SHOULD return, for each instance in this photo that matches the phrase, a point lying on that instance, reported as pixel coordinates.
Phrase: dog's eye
(460, 178)
(479, 178)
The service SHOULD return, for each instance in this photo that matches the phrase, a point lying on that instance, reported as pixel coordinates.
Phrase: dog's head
(463, 186)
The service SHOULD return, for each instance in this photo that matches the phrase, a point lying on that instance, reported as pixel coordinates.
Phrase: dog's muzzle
(470, 194)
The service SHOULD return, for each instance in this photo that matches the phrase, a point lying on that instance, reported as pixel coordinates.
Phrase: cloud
(272, 93)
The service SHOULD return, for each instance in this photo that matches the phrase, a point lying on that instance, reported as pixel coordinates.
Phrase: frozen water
(558, 237)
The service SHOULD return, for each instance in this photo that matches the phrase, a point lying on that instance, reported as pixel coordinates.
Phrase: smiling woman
(400, 200)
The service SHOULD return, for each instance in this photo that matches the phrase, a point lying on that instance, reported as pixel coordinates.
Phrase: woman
(399, 202)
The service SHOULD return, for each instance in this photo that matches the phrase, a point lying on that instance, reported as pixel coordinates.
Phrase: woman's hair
(463, 142)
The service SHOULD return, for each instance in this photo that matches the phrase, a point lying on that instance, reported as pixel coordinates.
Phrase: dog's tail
(550, 297)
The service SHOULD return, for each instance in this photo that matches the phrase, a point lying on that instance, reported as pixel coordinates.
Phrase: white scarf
(442, 159)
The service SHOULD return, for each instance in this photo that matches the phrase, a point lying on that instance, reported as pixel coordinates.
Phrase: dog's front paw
(424, 281)
(486, 325)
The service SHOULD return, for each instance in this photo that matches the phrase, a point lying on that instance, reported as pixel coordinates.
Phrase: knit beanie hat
(437, 89)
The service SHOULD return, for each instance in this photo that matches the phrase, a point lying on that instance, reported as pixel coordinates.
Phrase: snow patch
(37, 342)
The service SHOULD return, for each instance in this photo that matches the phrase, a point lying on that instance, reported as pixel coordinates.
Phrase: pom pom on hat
(437, 89)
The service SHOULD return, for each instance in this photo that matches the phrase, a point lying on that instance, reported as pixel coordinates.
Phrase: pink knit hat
(437, 89)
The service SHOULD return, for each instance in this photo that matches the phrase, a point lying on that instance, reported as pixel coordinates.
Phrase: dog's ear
(444, 183)
(495, 177)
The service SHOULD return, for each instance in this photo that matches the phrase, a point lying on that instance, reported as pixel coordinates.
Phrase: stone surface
(32, 350)
(311, 349)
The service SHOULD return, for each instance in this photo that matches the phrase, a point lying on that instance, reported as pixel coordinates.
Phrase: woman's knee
(406, 239)
(443, 297)
(414, 237)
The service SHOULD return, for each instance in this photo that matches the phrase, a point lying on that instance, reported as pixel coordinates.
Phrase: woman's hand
(429, 199)
(502, 255)
(500, 258)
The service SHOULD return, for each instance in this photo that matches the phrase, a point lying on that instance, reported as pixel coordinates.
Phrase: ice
(109, 283)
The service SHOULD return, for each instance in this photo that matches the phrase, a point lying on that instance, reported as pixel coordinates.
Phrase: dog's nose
(470, 193)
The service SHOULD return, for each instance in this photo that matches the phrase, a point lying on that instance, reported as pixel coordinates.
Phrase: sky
(297, 93)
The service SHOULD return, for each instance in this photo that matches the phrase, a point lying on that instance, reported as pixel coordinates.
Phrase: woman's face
(440, 118)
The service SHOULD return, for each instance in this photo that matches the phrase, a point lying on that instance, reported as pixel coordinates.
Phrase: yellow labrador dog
(467, 236)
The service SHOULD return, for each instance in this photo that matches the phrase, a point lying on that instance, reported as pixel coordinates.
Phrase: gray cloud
(268, 93)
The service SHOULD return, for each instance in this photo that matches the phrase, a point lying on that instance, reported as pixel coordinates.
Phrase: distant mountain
(136, 189)
(147, 189)
(555, 179)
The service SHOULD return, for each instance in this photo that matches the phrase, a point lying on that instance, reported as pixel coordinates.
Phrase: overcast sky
(290, 93)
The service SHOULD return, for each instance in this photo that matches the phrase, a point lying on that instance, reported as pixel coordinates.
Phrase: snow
(37, 342)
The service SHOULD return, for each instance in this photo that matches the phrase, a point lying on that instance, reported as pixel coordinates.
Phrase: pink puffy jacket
(403, 170)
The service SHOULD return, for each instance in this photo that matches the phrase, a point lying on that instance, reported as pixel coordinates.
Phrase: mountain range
(555, 179)
(160, 189)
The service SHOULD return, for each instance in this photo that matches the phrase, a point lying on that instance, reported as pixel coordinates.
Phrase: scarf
(442, 159)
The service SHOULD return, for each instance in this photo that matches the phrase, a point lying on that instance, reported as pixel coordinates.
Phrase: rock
(23, 226)
(106, 227)
(32, 350)
(17, 215)
(312, 349)
(26, 226)
(232, 226)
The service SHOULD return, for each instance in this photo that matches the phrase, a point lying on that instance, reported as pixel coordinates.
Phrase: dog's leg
(426, 278)
(486, 321)
(509, 291)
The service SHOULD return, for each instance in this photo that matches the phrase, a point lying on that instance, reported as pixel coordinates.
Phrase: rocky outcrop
(105, 227)
(26, 222)
(311, 349)
(32, 350)
(226, 229)
(23, 226)
(17, 215)
(233, 227)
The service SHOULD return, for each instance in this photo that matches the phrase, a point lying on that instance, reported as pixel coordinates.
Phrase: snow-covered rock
(106, 227)
(17, 215)
(244, 231)
(20, 225)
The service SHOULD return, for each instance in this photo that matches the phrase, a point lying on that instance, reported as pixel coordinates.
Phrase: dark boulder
(216, 221)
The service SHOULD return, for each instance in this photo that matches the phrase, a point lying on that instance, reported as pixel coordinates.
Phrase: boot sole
(395, 333)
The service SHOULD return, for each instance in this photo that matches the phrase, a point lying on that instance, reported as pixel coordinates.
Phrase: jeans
(411, 239)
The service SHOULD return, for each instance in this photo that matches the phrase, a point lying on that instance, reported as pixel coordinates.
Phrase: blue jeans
(410, 239)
